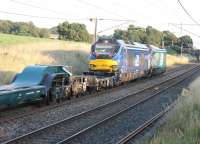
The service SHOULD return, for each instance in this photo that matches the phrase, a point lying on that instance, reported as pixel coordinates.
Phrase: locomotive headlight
(114, 67)
(92, 66)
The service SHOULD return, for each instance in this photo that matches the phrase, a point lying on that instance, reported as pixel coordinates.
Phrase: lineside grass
(173, 60)
(183, 126)
(16, 52)
(8, 39)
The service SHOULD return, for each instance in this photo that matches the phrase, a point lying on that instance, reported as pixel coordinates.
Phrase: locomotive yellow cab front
(105, 65)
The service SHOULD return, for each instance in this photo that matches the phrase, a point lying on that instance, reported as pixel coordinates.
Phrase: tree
(121, 34)
(73, 31)
(138, 34)
(22, 28)
(132, 34)
(5, 26)
(169, 38)
(155, 36)
(135, 33)
(185, 41)
(44, 33)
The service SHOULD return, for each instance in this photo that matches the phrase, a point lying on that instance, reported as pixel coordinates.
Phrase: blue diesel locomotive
(128, 60)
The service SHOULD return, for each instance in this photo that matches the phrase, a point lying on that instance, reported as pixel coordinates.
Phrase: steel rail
(143, 127)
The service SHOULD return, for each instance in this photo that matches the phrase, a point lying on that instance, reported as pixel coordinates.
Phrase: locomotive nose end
(103, 65)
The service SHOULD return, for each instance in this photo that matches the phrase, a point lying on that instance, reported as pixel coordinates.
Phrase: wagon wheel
(98, 87)
(84, 87)
(47, 98)
(51, 97)
(70, 93)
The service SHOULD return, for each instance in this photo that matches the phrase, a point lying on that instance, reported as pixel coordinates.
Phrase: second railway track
(66, 130)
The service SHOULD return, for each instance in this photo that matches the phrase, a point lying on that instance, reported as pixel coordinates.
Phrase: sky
(157, 13)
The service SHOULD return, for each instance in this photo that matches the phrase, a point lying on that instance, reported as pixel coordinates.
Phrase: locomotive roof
(132, 45)
(157, 49)
(138, 45)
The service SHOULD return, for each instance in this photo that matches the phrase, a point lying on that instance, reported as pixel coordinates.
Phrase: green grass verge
(8, 39)
(183, 126)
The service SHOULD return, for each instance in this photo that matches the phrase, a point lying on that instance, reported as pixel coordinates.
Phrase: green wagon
(32, 84)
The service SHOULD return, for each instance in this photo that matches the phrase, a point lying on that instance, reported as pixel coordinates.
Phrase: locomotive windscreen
(105, 49)
(99, 48)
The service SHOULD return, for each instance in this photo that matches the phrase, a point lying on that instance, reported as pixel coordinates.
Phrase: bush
(73, 31)
(23, 29)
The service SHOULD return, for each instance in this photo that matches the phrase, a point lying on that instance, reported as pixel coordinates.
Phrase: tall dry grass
(14, 57)
(183, 126)
(173, 60)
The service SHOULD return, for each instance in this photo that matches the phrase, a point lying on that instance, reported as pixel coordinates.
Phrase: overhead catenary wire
(186, 24)
(171, 10)
(189, 15)
(100, 8)
(59, 12)
(181, 23)
(185, 30)
(110, 28)
(36, 6)
(61, 18)
(107, 19)
(42, 17)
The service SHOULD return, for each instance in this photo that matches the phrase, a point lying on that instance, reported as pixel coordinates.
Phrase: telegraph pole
(95, 28)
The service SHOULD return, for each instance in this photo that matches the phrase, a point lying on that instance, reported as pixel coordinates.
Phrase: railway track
(34, 110)
(69, 129)
(77, 138)
(139, 130)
